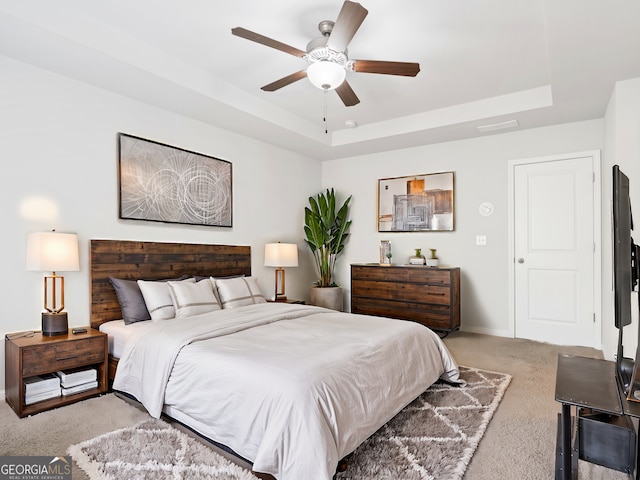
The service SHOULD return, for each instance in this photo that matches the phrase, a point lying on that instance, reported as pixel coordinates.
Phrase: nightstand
(288, 300)
(29, 355)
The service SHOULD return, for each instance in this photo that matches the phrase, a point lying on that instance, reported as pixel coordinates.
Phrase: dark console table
(602, 417)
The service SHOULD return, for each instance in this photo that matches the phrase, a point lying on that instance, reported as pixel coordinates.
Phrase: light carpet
(432, 438)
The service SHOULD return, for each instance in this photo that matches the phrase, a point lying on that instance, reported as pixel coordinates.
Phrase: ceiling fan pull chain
(326, 128)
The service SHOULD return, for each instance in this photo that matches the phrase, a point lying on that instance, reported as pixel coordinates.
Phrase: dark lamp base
(54, 324)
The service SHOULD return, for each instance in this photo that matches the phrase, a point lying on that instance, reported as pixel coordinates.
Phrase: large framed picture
(162, 183)
(417, 203)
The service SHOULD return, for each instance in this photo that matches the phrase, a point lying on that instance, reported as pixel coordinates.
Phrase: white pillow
(193, 298)
(237, 292)
(158, 299)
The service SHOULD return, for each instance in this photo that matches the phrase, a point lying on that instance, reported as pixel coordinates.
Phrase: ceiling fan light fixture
(326, 75)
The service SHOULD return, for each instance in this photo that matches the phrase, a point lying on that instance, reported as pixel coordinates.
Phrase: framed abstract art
(161, 183)
(416, 203)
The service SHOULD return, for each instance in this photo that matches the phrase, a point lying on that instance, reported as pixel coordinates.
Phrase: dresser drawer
(38, 359)
(431, 315)
(403, 291)
(433, 276)
(420, 275)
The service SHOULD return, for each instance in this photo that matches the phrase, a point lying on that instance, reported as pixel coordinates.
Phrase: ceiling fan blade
(386, 68)
(347, 95)
(269, 42)
(283, 82)
(347, 24)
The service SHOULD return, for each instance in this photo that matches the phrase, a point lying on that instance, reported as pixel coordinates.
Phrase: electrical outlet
(481, 240)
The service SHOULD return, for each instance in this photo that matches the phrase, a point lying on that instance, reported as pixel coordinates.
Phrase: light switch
(481, 240)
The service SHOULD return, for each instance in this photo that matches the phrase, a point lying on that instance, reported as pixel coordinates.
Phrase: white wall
(59, 145)
(622, 147)
(480, 167)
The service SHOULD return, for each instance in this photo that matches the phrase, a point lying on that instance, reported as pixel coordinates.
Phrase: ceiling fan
(327, 56)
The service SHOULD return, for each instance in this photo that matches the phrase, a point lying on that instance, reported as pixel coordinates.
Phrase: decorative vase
(433, 260)
(328, 297)
(418, 258)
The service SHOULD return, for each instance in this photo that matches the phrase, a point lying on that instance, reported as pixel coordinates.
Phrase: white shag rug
(152, 449)
(433, 438)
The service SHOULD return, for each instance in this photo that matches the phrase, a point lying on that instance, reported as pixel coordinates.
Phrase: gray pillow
(131, 300)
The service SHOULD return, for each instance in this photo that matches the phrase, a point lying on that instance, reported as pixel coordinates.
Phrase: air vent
(498, 126)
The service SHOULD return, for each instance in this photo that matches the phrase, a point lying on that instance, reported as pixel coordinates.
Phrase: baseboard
(488, 331)
(2, 394)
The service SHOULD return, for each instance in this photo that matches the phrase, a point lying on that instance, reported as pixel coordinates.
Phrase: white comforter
(291, 388)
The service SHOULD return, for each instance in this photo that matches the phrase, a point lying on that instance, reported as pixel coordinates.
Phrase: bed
(291, 388)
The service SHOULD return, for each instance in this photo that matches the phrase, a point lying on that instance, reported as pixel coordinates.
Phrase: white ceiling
(539, 62)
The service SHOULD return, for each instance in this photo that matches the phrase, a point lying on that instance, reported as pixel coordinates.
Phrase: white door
(554, 251)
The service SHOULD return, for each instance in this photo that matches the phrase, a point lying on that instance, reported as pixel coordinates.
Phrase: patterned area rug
(152, 450)
(432, 438)
(435, 436)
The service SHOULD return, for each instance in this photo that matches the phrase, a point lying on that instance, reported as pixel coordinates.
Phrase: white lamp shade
(52, 252)
(281, 255)
(326, 75)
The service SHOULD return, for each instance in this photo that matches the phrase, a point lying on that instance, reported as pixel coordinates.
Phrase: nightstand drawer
(44, 358)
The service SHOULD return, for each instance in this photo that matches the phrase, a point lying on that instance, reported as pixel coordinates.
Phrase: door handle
(521, 260)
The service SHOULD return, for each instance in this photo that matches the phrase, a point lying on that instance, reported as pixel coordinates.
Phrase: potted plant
(326, 230)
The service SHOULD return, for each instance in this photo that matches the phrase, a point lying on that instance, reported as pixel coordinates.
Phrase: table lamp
(280, 255)
(53, 252)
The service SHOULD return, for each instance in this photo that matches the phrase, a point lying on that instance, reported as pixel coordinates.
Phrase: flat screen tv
(622, 248)
(625, 267)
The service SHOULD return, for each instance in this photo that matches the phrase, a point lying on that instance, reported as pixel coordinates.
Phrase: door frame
(597, 235)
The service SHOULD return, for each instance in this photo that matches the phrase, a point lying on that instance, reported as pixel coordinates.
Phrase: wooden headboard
(153, 261)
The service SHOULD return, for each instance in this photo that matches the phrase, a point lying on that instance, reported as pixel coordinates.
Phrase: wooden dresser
(430, 296)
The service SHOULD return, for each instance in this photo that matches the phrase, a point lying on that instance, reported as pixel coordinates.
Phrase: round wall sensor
(485, 209)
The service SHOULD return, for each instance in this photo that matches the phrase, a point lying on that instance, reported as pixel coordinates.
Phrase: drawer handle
(60, 359)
